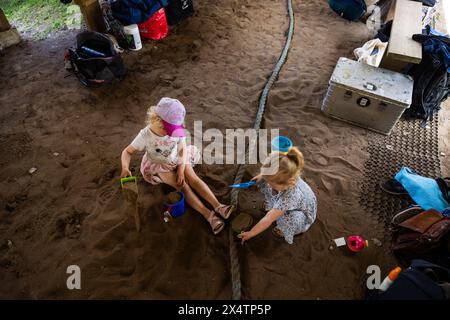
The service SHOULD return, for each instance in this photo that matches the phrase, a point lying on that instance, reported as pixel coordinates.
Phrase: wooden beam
(92, 14)
(9, 38)
(390, 15)
(4, 24)
(407, 22)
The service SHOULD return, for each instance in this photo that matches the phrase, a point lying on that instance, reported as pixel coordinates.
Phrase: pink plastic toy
(356, 243)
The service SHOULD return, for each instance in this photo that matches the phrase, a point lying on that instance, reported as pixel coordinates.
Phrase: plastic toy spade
(127, 179)
(243, 185)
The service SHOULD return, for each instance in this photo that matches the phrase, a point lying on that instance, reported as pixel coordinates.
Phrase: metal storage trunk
(367, 96)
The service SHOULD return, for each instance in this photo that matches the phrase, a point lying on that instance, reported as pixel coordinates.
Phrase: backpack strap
(446, 289)
(444, 186)
(81, 76)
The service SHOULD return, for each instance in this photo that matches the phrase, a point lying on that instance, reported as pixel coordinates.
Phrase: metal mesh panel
(409, 145)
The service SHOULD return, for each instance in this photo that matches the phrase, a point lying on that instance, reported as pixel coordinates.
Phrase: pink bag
(156, 27)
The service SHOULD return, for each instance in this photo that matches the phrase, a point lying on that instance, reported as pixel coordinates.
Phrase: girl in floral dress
(290, 202)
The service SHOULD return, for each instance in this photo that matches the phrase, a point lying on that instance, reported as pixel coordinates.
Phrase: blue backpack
(348, 9)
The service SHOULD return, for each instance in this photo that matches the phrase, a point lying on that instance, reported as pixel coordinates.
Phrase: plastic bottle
(92, 52)
(390, 279)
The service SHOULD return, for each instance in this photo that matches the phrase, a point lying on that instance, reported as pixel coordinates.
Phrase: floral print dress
(299, 206)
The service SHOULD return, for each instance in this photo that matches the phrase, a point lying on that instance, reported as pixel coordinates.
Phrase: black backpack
(94, 60)
(178, 10)
(423, 280)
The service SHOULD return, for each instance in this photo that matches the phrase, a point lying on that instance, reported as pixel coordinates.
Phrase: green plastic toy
(128, 179)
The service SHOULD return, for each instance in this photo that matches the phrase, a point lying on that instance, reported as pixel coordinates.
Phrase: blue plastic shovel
(243, 185)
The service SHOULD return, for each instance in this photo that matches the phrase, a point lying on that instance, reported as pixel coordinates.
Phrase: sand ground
(71, 211)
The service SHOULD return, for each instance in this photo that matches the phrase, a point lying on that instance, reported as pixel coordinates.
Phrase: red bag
(156, 27)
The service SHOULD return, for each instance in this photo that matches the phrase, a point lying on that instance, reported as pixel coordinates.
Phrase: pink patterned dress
(161, 154)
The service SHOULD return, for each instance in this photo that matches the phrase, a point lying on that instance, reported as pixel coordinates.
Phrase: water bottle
(389, 280)
(92, 52)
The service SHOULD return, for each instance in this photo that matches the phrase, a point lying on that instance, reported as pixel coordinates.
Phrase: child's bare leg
(170, 178)
(200, 186)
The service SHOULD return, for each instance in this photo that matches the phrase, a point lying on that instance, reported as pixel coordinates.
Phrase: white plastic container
(133, 31)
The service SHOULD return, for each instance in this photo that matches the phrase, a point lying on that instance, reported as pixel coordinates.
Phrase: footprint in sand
(69, 225)
(319, 141)
(332, 183)
(321, 159)
(106, 194)
(319, 242)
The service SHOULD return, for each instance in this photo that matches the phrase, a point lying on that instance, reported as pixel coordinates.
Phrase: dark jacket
(431, 77)
(135, 11)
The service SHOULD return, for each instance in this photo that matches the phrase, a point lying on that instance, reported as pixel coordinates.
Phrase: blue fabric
(424, 191)
(436, 45)
(348, 9)
(446, 212)
(434, 32)
(135, 11)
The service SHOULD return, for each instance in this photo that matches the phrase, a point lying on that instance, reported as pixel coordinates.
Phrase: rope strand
(234, 259)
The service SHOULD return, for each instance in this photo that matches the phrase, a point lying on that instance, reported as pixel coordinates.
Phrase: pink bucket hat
(172, 112)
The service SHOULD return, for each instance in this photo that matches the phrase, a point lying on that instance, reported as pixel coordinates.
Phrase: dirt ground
(71, 210)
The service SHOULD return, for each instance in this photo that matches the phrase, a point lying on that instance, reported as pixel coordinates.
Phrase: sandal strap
(227, 213)
(219, 207)
(216, 223)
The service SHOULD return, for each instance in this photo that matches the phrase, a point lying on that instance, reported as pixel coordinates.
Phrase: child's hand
(244, 236)
(257, 178)
(180, 175)
(125, 173)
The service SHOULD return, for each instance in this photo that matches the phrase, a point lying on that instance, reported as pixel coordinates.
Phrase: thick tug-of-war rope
(234, 259)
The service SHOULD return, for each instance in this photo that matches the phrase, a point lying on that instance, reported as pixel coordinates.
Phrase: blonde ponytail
(296, 156)
(289, 166)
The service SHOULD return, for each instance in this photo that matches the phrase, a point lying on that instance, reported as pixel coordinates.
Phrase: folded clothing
(136, 11)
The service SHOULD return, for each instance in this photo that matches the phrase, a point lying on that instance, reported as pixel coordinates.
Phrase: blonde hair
(288, 166)
(152, 117)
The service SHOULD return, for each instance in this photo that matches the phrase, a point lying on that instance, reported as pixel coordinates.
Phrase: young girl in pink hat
(169, 160)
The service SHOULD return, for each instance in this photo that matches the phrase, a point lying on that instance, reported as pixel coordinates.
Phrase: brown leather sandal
(224, 210)
(277, 233)
(216, 223)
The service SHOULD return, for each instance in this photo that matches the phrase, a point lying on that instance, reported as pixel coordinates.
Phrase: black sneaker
(392, 186)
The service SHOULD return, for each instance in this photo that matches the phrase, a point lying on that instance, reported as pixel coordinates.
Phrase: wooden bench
(402, 49)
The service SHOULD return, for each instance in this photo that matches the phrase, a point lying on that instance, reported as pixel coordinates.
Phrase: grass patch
(39, 18)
